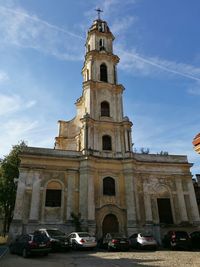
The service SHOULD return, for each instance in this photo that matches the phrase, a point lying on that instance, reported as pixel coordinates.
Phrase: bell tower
(100, 127)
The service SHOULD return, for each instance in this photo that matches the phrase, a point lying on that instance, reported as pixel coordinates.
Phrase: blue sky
(42, 52)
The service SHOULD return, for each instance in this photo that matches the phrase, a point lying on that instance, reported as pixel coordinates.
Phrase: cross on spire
(99, 11)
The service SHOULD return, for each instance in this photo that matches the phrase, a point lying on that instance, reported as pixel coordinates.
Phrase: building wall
(139, 181)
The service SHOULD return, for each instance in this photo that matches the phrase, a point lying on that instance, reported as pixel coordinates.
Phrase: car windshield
(84, 235)
(40, 238)
(54, 232)
(180, 234)
(146, 235)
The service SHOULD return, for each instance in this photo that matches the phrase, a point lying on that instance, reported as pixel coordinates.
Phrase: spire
(99, 12)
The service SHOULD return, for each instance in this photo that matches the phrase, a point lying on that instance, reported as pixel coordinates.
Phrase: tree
(144, 151)
(9, 172)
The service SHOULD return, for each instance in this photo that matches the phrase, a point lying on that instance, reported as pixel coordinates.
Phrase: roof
(196, 140)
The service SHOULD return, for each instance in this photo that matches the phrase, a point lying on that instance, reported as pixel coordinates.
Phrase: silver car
(143, 240)
(82, 240)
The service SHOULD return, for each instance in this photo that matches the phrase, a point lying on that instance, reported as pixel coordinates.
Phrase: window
(53, 195)
(109, 186)
(87, 75)
(88, 47)
(101, 45)
(105, 109)
(107, 142)
(103, 73)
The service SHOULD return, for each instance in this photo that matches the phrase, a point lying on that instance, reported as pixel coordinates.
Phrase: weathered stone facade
(92, 169)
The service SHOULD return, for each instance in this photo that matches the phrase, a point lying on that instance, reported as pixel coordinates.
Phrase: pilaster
(181, 201)
(193, 203)
(35, 200)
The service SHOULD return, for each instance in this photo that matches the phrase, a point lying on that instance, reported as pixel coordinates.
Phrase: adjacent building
(196, 143)
(92, 170)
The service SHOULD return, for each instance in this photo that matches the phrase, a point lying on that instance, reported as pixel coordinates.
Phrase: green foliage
(9, 173)
(163, 153)
(144, 150)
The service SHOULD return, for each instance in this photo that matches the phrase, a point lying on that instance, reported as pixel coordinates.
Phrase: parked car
(142, 241)
(195, 239)
(176, 240)
(82, 240)
(29, 244)
(117, 242)
(58, 239)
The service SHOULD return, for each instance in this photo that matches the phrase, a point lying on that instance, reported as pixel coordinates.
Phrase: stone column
(118, 141)
(19, 202)
(70, 193)
(130, 203)
(181, 201)
(147, 205)
(83, 194)
(96, 139)
(35, 200)
(17, 226)
(193, 203)
(130, 140)
(91, 204)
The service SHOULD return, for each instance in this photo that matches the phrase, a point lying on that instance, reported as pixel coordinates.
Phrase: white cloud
(195, 90)
(14, 130)
(119, 26)
(19, 28)
(13, 103)
(138, 64)
(3, 76)
(19, 127)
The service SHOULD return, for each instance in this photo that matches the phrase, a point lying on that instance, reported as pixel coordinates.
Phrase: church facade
(93, 173)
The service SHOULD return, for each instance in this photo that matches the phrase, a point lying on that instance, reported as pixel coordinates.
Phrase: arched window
(103, 73)
(53, 194)
(105, 109)
(109, 186)
(107, 142)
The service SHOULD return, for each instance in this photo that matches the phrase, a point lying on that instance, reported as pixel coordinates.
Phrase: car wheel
(109, 249)
(172, 246)
(25, 253)
(45, 254)
(74, 246)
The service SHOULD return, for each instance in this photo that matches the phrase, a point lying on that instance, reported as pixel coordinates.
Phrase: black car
(177, 240)
(58, 239)
(29, 244)
(195, 239)
(115, 242)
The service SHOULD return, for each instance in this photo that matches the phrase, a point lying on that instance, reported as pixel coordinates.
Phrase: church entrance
(110, 224)
(165, 211)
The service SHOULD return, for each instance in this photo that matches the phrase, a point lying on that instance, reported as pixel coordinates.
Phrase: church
(92, 172)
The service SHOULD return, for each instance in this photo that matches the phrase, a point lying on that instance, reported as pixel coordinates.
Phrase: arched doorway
(110, 224)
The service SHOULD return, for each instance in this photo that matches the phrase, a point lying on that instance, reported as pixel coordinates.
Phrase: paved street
(106, 259)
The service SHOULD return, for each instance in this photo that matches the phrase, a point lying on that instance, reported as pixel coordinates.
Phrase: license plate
(122, 242)
(182, 239)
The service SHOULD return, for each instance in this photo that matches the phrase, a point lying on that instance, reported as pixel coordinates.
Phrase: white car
(143, 240)
(82, 240)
